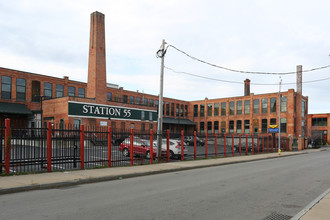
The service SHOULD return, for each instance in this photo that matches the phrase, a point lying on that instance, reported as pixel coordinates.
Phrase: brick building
(32, 99)
(319, 127)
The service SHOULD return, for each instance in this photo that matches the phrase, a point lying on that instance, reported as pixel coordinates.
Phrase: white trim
(115, 106)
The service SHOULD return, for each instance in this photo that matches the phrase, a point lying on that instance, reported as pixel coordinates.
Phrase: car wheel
(171, 154)
(125, 152)
(148, 155)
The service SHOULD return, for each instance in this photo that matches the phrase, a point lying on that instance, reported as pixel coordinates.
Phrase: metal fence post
(151, 147)
(109, 145)
(240, 144)
(131, 146)
(206, 145)
(267, 143)
(168, 146)
(215, 144)
(224, 146)
(182, 145)
(7, 145)
(82, 146)
(263, 143)
(252, 150)
(246, 145)
(49, 147)
(195, 144)
(258, 144)
(232, 145)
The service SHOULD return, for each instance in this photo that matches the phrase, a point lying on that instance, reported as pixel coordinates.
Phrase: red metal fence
(67, 148)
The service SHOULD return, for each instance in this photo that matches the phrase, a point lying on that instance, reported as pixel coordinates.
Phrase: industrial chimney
(247, 87)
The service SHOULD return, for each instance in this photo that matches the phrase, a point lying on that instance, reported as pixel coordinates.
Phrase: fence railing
(25, 150)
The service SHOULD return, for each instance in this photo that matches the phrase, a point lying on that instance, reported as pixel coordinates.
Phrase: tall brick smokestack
(97, 78)
(247, 87)
(299, 101)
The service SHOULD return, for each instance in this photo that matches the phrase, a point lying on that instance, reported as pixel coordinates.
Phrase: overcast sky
(52, 38)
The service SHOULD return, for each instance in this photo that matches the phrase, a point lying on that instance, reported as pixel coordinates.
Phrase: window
(81, 92)
(303, 108)
(238, 126)
(247, 107)
(181, 111)
(142, 115)
(167, 108)
(239, 107)
(151, 102)
(195, 110)
(151, 126)
(172, 109)
(223, 108)
(150, 116)
(59, 91)
(231, 108)
(231, 126)
(177, 110)
(186, 110)
(6, 87)
(283, 125)
(145, 101)
(216, 127)
(71, 91)
(246, 126)
(284, 104)
(131, 100)
(20, 90)
(125, 98)
(216, 109)
(35, 91)
(209, 109)
(273, 105)
(109, 96)
(223, 127)
(209, 127)
(256, 106)
(61, 125)
(76, 123)
(255, 126)
(320, 122)
(264, 126)
(156, 103)
(273, 121)
(117, 98)
(143, 127)
(202, 110)
(48, 90)
(264, 105)
(201, 127)
(138, 100)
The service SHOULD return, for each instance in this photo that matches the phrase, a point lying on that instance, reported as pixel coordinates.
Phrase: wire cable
(228, 81)
(242, 71)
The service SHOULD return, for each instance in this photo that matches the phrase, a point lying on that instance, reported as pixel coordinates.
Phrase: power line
(242, 71)
(235, 82)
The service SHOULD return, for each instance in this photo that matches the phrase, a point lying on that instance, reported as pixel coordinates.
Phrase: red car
(140, 147)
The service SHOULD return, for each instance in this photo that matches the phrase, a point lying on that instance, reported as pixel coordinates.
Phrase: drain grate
(277, 216)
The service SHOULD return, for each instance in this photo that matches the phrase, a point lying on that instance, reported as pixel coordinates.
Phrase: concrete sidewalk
(20, 183)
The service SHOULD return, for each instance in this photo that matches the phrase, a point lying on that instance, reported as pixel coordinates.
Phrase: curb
(131, 175)
(310, 205)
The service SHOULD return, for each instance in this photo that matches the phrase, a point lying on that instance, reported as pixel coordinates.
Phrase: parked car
(174, 147)
(189, 140)
(243, 147)
(140, 148)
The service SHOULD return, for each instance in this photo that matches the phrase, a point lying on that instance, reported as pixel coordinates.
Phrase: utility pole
(160, 104)
(279, 117)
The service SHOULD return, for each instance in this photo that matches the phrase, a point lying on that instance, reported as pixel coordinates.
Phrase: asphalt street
(252, 190)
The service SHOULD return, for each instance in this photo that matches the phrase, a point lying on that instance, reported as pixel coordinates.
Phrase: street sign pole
(160, 104)
(279, 117)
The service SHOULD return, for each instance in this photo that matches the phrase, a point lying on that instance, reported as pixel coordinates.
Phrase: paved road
(251, 190)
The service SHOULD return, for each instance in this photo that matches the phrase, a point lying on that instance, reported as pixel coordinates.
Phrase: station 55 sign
(90, 110)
